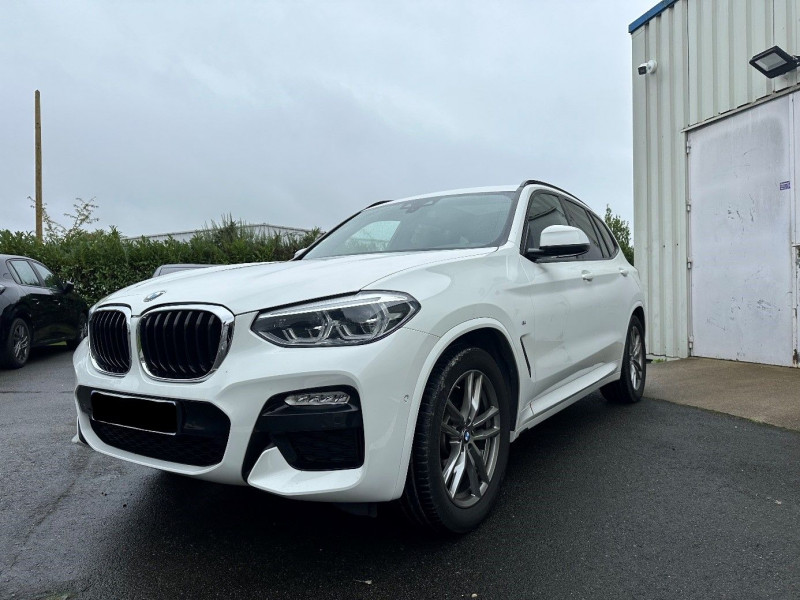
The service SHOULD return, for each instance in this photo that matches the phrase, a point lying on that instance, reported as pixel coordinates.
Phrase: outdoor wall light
(774, 62)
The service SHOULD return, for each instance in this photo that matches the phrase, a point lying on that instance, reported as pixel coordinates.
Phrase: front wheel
(460, 444)
(630, 386)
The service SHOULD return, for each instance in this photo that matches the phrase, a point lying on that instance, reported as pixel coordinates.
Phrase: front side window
(25, 272)
(580, 218)
(545, 210)
(50, 280)
(479, 220)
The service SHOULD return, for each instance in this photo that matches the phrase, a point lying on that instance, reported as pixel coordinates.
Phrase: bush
(101, 262)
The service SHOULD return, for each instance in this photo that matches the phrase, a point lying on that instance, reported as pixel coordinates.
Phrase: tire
(17, 347)
(82, 331)
(459, 455)
(630, 386)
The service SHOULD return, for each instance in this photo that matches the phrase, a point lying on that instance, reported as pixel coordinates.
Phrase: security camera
(647, 68)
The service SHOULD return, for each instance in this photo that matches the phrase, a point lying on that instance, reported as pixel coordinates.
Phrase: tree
(622, 231)
(84, 215)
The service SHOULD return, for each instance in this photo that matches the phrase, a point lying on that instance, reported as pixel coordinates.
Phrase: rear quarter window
(605, 234)
(24, 272)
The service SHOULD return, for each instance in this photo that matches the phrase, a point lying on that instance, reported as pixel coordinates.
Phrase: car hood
(247, 287)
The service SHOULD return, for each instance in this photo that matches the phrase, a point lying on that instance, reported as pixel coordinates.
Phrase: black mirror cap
(67, 287)
(555, 251)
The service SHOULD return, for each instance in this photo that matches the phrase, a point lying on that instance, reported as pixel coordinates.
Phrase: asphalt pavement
(655, 500)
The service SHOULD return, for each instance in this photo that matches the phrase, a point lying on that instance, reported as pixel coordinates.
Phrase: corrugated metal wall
(702, 48)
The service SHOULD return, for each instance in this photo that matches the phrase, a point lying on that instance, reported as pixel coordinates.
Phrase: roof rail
(550, 185)
(377, 203)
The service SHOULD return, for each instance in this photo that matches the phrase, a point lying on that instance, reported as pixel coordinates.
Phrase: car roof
(8, 256)
(186, 265)
(489, 189)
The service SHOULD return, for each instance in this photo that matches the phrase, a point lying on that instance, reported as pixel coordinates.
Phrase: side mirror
(300, 252)
(559, 240)
(67, 287)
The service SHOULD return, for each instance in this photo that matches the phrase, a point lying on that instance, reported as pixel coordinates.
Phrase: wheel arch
(638, 311)
(484, 333)
(18, 313)
(495, 343)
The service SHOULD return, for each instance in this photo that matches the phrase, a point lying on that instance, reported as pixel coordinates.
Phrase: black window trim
(42, 281)
(604, 250)
(555, 193)
(12, 272)
(589, 213)
(19, 278)
(564, 196)
(599, 222)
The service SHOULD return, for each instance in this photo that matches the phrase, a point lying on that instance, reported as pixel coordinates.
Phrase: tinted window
(47, 276)
(580, 218)
(606, 236)
(545, 210)
(478, 220)
(375, 237)
(25, 273)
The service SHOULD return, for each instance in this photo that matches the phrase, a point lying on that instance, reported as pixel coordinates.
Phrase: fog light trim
(321, 398)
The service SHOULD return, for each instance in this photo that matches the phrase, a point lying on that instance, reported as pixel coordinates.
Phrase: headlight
(348, 321)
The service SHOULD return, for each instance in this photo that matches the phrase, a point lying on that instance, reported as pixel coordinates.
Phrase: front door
(559, 294)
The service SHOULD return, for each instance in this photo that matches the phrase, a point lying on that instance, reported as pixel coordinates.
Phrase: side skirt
(528, 419)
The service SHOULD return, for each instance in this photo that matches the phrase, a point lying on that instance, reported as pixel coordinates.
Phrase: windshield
(445, 222)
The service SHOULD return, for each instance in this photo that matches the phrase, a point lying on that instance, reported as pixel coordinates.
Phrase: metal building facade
(702, 49)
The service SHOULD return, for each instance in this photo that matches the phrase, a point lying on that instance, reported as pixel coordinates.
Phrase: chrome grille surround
(110, 339)
(169, 356)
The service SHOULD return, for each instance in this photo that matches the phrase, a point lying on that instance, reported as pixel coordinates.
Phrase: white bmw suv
(395, 358)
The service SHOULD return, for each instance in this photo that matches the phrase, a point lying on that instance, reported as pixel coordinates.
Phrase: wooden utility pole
(38, 125)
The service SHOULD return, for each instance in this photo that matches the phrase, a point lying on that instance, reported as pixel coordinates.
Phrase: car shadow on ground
(44, 353)
(253, 540)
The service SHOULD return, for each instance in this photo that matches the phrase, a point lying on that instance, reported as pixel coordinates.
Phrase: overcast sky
(301, 113)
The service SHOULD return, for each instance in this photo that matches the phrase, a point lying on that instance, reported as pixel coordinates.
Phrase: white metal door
(743, 269)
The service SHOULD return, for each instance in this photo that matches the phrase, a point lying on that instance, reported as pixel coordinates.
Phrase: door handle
(587, 276)
(623, 271)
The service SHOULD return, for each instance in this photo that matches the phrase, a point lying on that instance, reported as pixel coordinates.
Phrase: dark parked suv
(36, 309)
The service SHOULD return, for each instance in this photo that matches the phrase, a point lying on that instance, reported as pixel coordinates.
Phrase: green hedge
(101, 262)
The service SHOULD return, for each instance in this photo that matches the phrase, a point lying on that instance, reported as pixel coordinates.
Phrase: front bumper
(384, 376)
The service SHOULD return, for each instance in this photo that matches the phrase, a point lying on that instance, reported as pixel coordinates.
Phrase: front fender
(439, 348)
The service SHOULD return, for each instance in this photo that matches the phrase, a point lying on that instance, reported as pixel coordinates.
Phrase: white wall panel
(659, 179)
(702, 48)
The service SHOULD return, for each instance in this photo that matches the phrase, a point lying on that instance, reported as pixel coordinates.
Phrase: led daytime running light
(352, 320)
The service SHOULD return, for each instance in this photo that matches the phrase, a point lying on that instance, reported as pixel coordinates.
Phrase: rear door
(63, 315)
(604, 322)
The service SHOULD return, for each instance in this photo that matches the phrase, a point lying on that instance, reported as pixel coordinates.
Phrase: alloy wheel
(21, 342)
(469, 439)
(636, 357)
